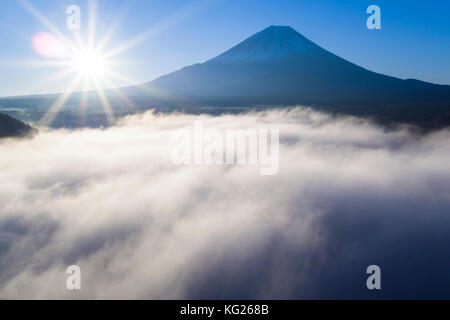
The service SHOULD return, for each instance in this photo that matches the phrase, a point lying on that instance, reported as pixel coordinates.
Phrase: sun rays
(82, 60)
(91, 62)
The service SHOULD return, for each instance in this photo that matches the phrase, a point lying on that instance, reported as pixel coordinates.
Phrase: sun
(89, 63)
(82, 58)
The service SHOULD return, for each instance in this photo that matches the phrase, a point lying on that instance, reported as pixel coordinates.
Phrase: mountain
(10, 127)
(275, 67)
(279, 66)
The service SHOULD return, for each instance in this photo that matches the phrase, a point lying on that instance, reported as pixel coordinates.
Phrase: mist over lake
(348, 194)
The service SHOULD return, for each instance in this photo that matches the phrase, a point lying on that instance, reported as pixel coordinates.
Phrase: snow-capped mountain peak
(270, 43)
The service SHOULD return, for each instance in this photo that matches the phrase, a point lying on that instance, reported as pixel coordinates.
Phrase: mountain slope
(280, 66)
(10, 127)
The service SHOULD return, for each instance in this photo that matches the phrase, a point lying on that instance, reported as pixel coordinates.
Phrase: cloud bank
(348, 194)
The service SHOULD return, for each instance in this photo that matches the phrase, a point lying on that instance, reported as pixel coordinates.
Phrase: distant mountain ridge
(10, 127)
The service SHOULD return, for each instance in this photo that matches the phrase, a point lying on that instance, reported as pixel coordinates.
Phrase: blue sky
(414, 41)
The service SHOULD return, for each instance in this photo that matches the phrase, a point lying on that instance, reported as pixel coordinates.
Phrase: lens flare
(48, 46)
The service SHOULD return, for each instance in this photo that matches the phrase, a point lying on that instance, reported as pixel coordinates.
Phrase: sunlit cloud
(348, 194)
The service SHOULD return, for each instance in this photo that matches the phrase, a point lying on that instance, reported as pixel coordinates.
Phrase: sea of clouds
(348, 194)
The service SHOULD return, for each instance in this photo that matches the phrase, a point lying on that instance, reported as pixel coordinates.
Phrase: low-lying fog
(348, 194)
